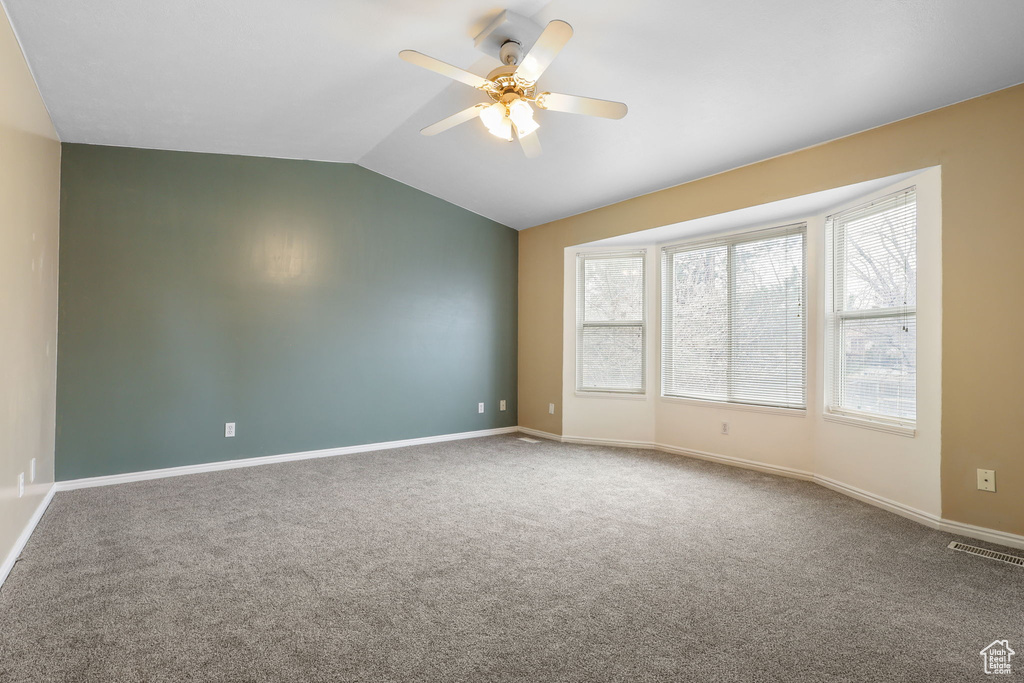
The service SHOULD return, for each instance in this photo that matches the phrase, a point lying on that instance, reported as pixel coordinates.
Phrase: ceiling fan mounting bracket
(510, 35)
(511, 52)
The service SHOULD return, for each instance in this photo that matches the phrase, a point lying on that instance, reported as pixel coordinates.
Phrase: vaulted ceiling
(710, 85)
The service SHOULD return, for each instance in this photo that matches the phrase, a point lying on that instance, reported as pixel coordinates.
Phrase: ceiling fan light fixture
(512, 86)
(521, 114)
(504, 130)
(495, 117)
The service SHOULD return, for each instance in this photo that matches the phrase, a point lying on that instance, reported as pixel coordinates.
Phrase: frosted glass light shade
(521, 114)
(495, 117)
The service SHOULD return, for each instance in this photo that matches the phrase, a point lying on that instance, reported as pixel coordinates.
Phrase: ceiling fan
(512, 87)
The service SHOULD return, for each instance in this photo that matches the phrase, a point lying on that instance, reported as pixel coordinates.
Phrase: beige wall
(29, 201)
(980, 147)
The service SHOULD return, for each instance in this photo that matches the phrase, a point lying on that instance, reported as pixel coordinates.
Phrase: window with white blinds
(610, 322)
(871, 324)
(733, 319)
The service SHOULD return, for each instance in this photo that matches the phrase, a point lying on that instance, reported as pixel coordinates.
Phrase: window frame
(834, 358)
(581, 258)
(730, 239)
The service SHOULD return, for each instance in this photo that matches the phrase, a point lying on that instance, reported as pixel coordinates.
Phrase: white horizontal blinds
(768, 321)
(610, 322)
(733, 319)
(695, 329)
(873, 303)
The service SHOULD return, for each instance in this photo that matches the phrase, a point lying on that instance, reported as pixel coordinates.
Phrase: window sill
(876, 425)
(770, 410)
(611, 394)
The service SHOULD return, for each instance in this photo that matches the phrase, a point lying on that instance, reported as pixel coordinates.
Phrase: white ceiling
(711, 85)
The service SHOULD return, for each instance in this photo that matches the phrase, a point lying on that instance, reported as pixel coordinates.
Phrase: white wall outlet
(32, 471)
(21, 485)
(725, 428)
(479, 407)
(501, 405)
(987, 480)
(551, 409)
(229, 429)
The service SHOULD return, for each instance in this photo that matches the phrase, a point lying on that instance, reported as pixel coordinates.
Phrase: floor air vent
(528, 439)
(990, 554)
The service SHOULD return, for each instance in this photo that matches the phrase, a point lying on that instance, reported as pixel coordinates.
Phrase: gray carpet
(495, 560)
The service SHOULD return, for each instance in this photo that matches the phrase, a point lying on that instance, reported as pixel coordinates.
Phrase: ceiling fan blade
(444, 68)
(530, 144)
(453, 120)
(554, 37)
(574, 104)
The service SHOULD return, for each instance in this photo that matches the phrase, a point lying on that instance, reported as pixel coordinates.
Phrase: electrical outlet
(32, 471)
(229, 429)
(551, 409)
(725, 428)
(21, 485)
(501, 405)
(479, 407)
(987, 480)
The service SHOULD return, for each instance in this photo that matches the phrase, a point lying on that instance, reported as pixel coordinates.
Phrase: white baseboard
(928, 519)
(597, 441)
(690, 453)
(26, 533)
(112, 479)
(537, 432)
(767, 468)
(981, 533)
(920, 516)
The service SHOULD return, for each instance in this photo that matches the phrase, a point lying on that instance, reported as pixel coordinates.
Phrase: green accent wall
(316, 305)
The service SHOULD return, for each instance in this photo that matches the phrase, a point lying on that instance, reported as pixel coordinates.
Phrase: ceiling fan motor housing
(508, 88)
